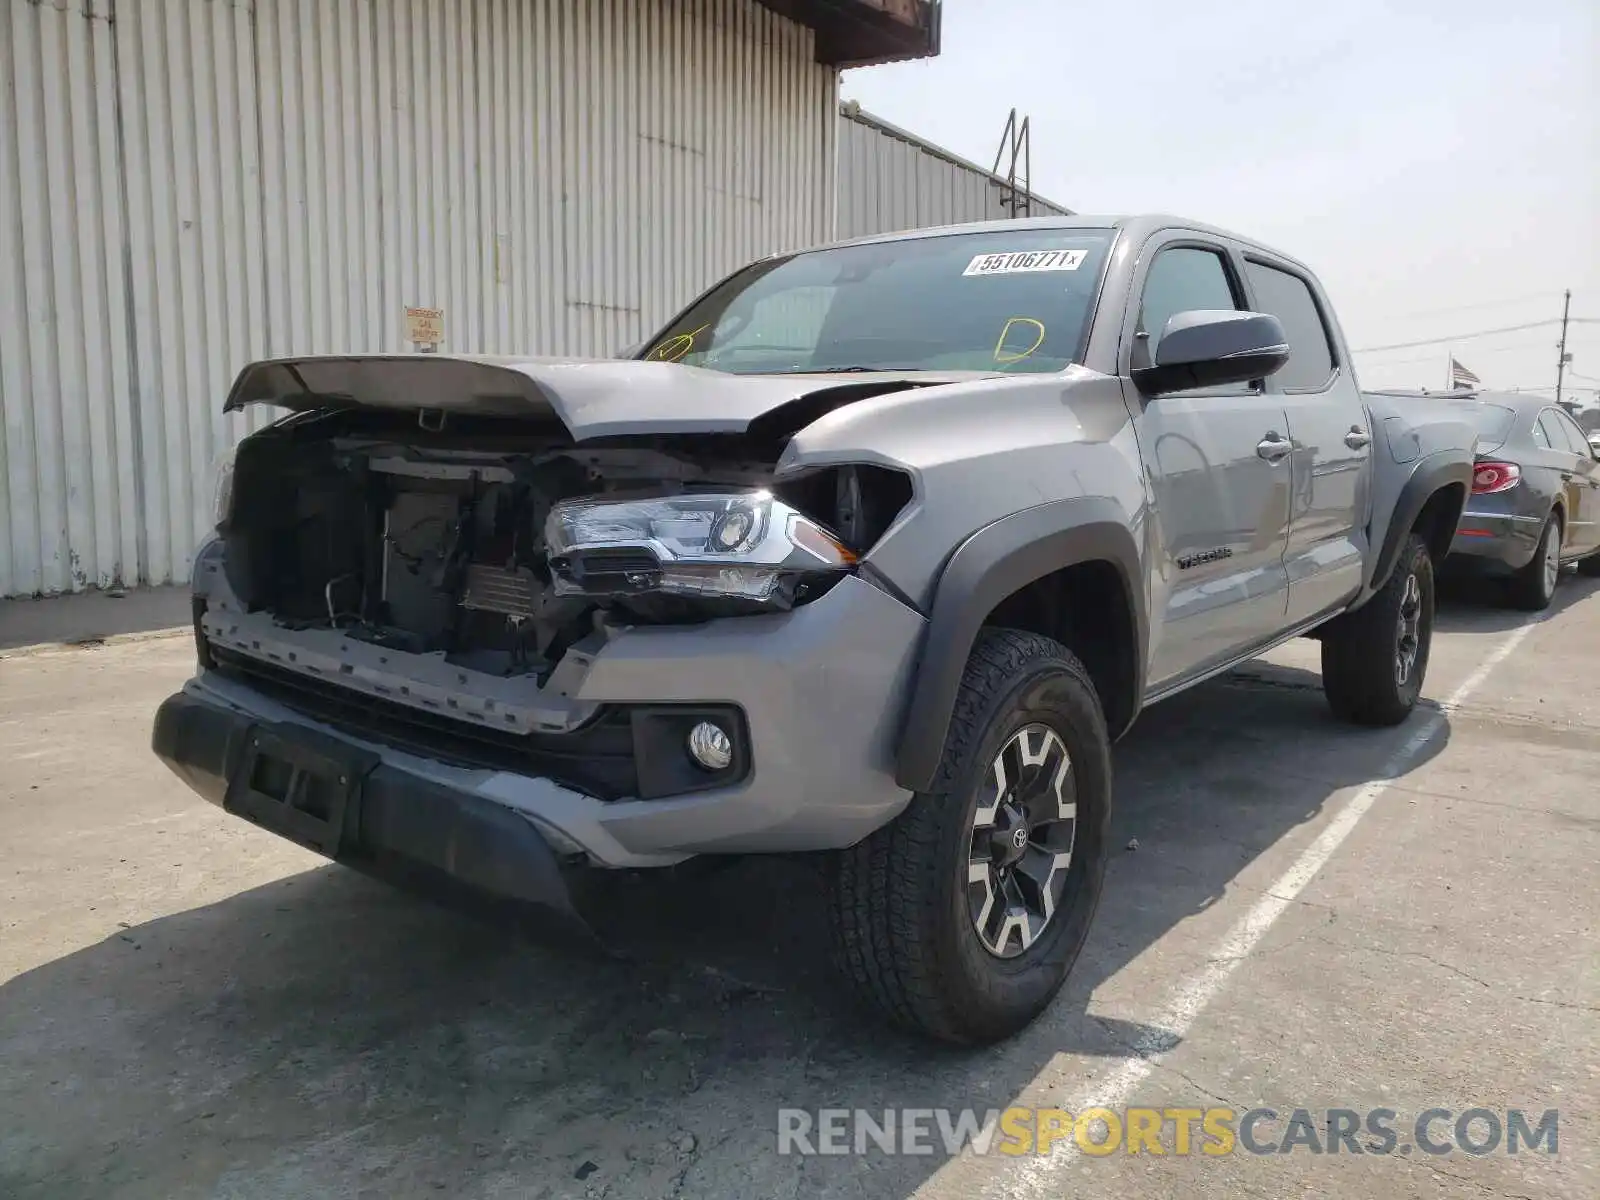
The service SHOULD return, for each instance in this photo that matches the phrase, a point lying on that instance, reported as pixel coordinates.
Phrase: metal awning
(859, 33)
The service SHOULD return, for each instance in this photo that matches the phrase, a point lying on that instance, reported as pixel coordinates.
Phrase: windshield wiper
(850, 370)
(834, 370)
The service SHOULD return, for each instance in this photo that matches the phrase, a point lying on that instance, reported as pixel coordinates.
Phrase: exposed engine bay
(437, 541)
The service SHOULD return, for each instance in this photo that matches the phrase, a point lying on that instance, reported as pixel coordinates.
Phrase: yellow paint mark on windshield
(675, 348)
(1003, 355)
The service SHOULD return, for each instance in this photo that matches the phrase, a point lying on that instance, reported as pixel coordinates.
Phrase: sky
(1435, 162)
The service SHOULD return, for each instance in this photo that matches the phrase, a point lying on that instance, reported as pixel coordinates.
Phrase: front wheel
(1374, 659)
(961, 918)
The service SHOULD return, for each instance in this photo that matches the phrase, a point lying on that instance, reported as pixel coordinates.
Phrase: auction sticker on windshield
(1016, 262)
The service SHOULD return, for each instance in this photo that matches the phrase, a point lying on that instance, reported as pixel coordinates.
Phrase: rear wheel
(961, 918)
(1374, 659)
(1590, 566)
(1533, 587)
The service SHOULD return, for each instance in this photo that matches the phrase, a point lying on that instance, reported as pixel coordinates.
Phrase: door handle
(1273, 447)
(1358, 438)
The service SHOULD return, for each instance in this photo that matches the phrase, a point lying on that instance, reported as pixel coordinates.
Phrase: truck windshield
(991, 301)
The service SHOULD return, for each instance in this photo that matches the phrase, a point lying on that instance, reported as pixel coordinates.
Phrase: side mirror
(1212, 347)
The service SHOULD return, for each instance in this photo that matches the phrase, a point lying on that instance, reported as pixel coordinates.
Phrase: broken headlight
(745, 546)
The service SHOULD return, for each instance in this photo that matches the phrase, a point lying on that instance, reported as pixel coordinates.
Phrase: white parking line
(1045, 1175)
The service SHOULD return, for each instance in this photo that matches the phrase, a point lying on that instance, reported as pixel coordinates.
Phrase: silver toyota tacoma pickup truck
(872, 551)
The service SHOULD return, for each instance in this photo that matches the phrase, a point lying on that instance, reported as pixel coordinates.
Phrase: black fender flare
(983, 570)
(1424, 483)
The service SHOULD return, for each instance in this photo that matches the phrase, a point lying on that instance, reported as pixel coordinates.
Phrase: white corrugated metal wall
(890, 180)
(186, 185)
(66, 462)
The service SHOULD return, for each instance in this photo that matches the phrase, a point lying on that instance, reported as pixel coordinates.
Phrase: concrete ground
(1313, 917)
(88, 617)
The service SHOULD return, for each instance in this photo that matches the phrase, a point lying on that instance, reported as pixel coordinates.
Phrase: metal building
(186, 185)
(890, 180)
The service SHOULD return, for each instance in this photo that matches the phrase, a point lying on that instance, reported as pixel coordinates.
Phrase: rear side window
(1289, 298)
(1548, 431)
(1569, 429)
(1180, 279)
(1493, 421)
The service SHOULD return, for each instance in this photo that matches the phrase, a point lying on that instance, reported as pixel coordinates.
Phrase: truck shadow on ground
(325, 1035)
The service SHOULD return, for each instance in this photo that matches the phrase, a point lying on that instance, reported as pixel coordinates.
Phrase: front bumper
(402, 827)
(821, 690)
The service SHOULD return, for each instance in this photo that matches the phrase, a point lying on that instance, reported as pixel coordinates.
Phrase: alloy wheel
(1408, 639)
(1023, 831)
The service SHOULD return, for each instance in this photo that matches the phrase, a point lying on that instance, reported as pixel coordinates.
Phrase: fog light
(710, 746)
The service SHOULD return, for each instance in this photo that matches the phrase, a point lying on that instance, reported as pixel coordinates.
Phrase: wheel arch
(1430, 504)
(1438, 517)
(1046, 569)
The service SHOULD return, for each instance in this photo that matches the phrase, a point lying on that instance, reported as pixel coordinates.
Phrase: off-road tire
(1532, 589)
(903, 932)
(1360, 674)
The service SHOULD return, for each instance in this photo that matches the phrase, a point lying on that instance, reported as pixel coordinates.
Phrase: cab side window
(1288, 297)
(1180, 279)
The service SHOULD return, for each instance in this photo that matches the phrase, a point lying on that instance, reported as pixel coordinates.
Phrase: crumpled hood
(593, 398)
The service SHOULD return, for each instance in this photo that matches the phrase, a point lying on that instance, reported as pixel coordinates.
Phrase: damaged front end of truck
(433, 532)
(503, 618)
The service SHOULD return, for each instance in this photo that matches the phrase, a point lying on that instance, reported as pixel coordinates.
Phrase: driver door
(1217, 462)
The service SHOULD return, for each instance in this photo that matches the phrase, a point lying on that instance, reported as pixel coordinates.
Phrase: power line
(1460, 337)
(1463, 337)
(1480, 352)
(1482, 304)
(1406, 362)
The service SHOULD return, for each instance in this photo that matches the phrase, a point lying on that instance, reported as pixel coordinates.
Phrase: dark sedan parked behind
(1535, 502)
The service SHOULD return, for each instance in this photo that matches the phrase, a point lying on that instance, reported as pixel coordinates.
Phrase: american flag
(1461, 377)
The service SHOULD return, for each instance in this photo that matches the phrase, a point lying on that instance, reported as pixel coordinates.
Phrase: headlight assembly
(736, 545)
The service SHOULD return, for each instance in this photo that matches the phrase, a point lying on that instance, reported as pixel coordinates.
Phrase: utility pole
(1561, 352)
